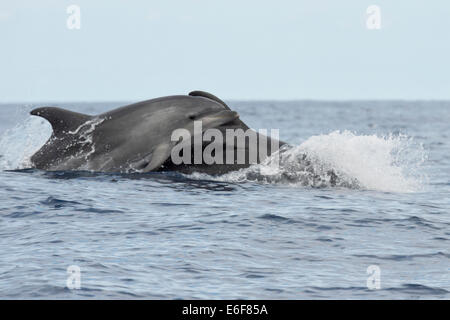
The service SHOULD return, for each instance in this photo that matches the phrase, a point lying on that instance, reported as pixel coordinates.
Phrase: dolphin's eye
(192, 116)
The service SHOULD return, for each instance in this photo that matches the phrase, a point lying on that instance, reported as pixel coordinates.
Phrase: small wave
(419, 289)
(58, 203)
(411, 290)
(399, 257)
(274, 217)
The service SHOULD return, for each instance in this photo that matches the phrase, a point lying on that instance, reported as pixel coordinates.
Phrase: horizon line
(234, 100)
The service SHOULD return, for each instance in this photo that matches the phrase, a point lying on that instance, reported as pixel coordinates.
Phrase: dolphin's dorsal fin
(209, 96)
(61, 120)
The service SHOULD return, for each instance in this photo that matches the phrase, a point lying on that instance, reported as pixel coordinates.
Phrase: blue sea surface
(262, 233)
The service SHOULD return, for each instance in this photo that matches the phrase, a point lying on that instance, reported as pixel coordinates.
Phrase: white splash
(388, 164)
(85, 132)
(19, 143)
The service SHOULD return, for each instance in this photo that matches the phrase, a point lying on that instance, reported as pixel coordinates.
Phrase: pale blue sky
(134, 50)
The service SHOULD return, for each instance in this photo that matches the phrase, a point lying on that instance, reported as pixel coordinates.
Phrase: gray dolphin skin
(137, 137)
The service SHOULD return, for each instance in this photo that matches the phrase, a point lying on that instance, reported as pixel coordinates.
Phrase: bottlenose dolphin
(136, 137)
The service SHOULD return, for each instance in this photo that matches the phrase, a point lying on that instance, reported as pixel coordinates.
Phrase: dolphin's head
(212, 118)
(210, 113)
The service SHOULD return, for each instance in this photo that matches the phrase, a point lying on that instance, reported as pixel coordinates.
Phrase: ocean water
(266, 232)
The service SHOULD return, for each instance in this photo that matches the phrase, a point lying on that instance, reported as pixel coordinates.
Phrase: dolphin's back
(67, 148)
(194, 99)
